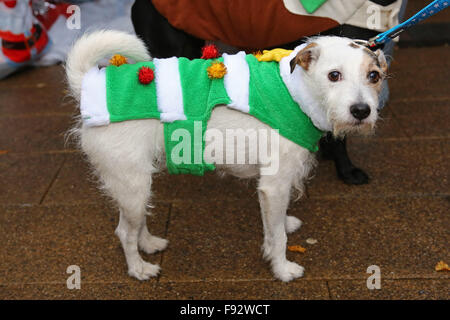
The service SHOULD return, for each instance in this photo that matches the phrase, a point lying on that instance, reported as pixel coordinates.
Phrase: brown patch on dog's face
(374, 66)
(305, 57)
(370, 53)
(378, 58)
(382, 60)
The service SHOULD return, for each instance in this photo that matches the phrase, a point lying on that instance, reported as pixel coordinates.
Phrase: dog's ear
(305, 56)
(382, 60)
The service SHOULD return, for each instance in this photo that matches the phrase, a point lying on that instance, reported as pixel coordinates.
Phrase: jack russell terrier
(138, 118)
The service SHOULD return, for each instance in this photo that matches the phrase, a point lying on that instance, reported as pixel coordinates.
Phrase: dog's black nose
(360, 110)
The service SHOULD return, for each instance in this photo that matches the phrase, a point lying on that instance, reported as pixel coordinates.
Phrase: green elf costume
(184, 93)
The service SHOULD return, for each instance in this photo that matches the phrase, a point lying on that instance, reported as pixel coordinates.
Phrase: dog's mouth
(359, 127)
(359, 123)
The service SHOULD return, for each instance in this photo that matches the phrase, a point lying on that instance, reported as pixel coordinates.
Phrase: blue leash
(431, 9)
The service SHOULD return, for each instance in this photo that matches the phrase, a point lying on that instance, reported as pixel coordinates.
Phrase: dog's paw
(354, 176)
(151, 244)
(288, 271)
(142, 270)
(292, 224)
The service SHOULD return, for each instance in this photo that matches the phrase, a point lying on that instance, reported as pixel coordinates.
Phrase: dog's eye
(373, 76)
(334, 76)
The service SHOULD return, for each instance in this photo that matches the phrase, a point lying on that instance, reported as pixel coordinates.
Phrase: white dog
(340, 83)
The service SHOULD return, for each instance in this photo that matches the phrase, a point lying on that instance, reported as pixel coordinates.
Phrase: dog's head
(346, 78)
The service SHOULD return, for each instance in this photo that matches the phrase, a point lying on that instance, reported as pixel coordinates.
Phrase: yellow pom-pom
(118, 60)
(217, 70)
(273, 55)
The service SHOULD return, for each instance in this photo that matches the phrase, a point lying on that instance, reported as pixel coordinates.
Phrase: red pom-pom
(210, 52)
(146, 75)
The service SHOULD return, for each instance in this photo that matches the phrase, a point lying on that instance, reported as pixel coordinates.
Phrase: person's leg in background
(388, 52)
(162, 40)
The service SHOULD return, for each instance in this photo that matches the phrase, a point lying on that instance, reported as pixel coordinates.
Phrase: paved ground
(51, 215)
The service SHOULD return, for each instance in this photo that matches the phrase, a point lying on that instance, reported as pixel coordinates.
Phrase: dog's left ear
(382, 60)
(305, 56)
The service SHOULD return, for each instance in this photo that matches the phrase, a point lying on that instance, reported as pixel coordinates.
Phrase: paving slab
(396, 168)
(75, 184)
(34, 134)
(418, 82)
(427, 118)
(406, 238)
(406, 58)
(392, 289)
(26, 178)
(35, 101)
(215, 240)
(50, 77)
(387, 126)
(222, 240)
(40, 242)
(231, 290)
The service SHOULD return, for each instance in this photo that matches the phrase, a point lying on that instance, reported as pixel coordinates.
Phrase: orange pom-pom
(258, 54)
(217, 70)
(210, 52)
(146, 75)
(118, 60)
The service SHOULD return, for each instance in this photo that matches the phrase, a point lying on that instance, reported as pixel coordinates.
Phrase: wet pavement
(52, 216)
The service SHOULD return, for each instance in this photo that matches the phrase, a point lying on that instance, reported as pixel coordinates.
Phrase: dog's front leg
(274, 193)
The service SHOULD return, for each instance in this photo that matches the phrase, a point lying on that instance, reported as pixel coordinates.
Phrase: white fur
(93, 47)
(168, 89)
(126, 154)
(295, 83)
(335, 98)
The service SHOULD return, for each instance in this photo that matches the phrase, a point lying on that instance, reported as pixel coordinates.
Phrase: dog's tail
(93, 47)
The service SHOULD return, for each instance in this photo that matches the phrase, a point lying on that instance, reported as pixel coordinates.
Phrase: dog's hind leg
(132, 223)
(150, 243)
(124, 155)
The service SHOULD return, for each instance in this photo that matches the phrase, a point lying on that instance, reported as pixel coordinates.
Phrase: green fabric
(271, 103)
(192, 142)
(126, 97)
(312, 5)
(200, 95)
(269, 100)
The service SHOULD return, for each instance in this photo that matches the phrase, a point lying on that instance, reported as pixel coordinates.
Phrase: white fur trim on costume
(169, 94)
(297, 88)
(237, 80)
(93, 98)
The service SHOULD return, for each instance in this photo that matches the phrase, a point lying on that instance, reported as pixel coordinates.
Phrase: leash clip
(431, 9)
